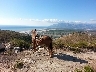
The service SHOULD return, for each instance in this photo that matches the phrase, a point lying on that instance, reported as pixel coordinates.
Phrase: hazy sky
(46, 12)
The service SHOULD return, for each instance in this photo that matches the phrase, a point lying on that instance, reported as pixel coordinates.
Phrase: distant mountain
(73, 26)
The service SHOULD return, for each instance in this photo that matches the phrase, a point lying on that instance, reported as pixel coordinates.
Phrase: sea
(20, 28)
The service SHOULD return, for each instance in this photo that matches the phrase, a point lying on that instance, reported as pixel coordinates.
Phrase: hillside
(77, 42)
(7, 35)
(16, 39)
(64, 58)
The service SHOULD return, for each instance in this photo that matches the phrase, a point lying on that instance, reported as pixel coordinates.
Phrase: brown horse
(47, 41)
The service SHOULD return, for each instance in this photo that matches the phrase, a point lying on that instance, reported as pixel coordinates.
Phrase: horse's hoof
(51, 56)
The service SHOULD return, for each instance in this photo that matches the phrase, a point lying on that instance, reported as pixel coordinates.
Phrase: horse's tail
(51, 50)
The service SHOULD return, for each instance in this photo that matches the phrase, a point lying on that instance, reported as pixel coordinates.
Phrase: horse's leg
(50, 50)
(50, 53)
(34, 44)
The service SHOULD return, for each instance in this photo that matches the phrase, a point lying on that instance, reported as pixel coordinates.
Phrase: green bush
(7, 36)
(58, 44)
(20, 43)
(19, 65)
(88, 69)
(82, 44)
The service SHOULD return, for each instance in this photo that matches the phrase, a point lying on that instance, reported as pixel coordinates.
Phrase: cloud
(21, 21)
(44, 20)
(53, 20)
(36, 22)
(77, 21)
(92, 19)
(20, 18)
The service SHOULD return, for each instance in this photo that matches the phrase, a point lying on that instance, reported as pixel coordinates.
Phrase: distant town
(56, 33)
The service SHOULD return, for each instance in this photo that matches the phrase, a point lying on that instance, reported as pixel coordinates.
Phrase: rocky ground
(62, 61)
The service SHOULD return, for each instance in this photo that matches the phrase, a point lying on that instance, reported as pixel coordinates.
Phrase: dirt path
(61, 62)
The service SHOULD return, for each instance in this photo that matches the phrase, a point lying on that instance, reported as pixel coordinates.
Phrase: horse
(47, 41)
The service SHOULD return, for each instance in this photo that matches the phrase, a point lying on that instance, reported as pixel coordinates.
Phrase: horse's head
(33, 34)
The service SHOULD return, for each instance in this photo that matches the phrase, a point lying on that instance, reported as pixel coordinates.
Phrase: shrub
(58, 44)
(82, 44)
(18, 65)
(88, 69)
(20, 43)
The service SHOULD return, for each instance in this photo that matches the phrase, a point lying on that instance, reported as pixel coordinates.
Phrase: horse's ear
(31, 31)
(35, 29)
